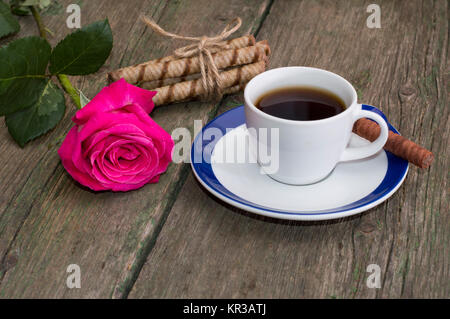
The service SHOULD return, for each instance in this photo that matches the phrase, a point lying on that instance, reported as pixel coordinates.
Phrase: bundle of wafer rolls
(178, 79)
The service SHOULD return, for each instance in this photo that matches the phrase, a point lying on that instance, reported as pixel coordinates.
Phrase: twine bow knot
(202, 47)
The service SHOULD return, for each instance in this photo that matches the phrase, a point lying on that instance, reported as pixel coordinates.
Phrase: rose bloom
(115, 145)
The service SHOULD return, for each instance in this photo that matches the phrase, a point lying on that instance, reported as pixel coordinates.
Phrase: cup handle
(354, 153)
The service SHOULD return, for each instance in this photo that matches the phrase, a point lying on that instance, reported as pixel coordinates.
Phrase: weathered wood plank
(46, 220)
(209, 249)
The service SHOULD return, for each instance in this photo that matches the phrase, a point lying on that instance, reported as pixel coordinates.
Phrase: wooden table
(173, 239)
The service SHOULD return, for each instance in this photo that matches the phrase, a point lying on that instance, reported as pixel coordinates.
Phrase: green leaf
(42, 116)
(8, 23)
(44, 3)
(83, 51)
(22, 73)
(83, 99)
(22, 7)
(55, 8)
(28, 3)
(41, 3)
(20, 11)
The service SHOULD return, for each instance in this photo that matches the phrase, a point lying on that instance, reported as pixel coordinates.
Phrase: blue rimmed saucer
(351, 188)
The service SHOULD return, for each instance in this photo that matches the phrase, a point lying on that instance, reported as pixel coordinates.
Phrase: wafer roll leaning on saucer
(172, 67)
(396, 144)
(192, 89)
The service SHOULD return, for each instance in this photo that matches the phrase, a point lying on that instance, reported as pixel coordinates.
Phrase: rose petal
(66, 158)
(115, 96)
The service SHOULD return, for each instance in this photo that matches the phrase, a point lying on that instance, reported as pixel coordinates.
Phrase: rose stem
(68, 87)
(63, 79)
(37, 18)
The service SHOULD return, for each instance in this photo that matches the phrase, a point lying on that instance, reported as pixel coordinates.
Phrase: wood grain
(209, 249)
(47, 221)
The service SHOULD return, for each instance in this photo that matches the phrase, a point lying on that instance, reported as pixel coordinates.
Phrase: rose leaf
(22, 73)
(83, 51)
(38, 119)
(8, 23)
(83, 99)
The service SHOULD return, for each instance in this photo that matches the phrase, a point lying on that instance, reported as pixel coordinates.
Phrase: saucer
(352, 187)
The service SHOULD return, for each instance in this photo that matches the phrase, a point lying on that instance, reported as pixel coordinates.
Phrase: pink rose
(115, 145)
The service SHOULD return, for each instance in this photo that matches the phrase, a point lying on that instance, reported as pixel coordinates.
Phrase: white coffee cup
(308, 151)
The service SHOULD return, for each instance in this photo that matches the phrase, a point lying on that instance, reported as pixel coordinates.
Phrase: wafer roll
(169, 81)
(235, 88)
(396, 144)
(152, 85)
(170, 66)
(191, 89)
(226, 91)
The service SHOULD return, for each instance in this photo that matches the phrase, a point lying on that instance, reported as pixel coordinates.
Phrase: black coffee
(301, 103)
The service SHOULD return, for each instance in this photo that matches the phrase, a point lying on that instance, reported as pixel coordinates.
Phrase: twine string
(202, 46)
